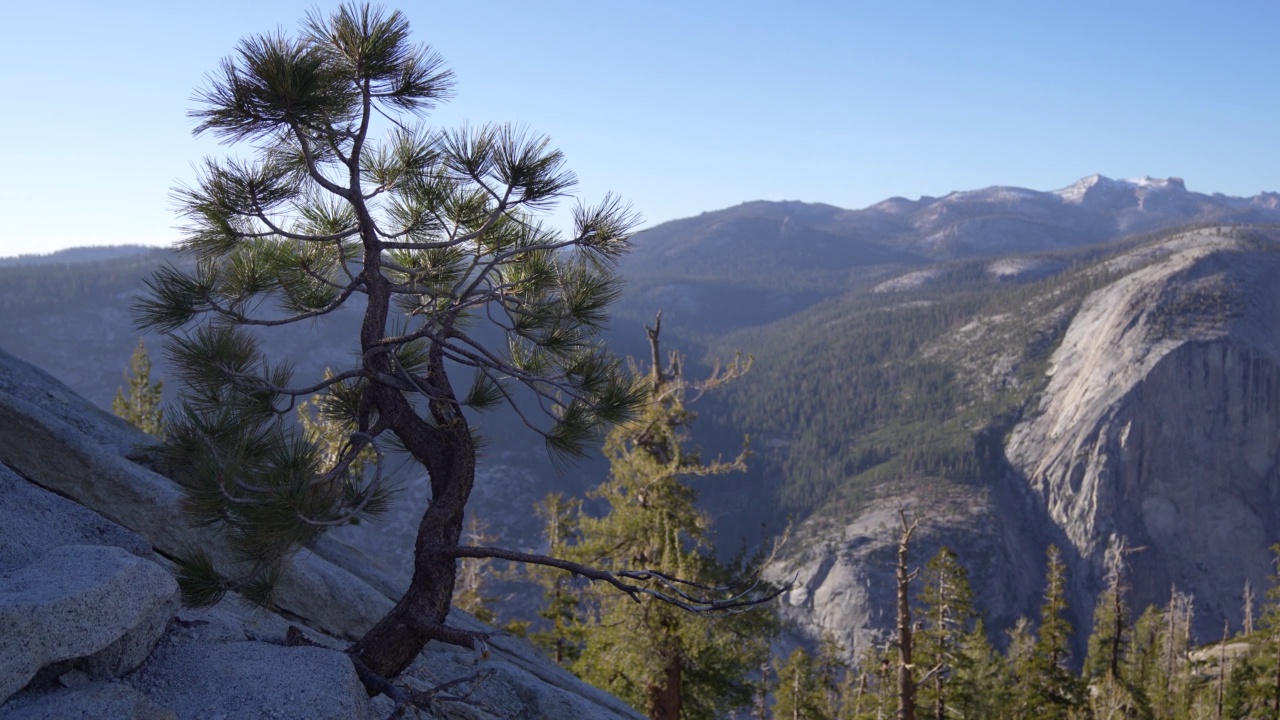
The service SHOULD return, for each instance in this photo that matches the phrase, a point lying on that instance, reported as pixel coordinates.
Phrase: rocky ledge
(91, 627)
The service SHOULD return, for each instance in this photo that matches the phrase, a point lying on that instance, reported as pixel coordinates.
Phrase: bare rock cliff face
(842, 573)
(1160, 423)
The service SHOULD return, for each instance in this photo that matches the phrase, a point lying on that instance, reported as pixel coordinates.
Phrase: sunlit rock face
(1160, 421)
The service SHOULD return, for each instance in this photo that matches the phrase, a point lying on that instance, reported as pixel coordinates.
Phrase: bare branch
(737, 602)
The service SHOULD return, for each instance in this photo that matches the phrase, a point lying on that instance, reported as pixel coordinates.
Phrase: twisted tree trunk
(449, 456)
(445, 447)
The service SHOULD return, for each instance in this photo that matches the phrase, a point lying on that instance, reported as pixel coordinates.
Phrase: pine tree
(1175, 699)
(904, 627)
(1112, 626)
(666, 663)
(798, 692)
(981, 684)
(437, 237)
(321, 424)
(1267, 652)
(140, 404)
(871, 691)
(1147, 670)
(1047, 688)
(562, 640)
(832, 674)
(1116, 690)
(946, 608)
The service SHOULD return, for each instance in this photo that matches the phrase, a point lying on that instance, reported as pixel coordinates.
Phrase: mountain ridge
(996, 219)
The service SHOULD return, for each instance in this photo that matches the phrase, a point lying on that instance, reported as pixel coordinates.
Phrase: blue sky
(680, 107)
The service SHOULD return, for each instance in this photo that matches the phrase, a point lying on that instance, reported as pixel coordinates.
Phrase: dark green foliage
(562, 639)
(661, 659)
(1046, 686)
(947, 617)
(1148, 661)
(981, 684)
(870, 388)
(1253, 683)
(799, 692)
(1114, 666)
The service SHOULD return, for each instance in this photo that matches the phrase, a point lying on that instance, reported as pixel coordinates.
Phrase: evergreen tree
(904, 627)
(1112, 626)
(1116, 690)
(946, 607)
(667, 663)
(140, 404)
(322, 426)
(1047, 689)
(431, 234)
(1246, 691)
(562, 640)
(981, 683)
(887, 693)
(1148, 673)
(1264, 661)
(832, 674)
(872, 692)
(1175, 701)
(798, 691)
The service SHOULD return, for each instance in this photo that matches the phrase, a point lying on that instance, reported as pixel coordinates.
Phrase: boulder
(35, 521)
(245, 679)
(90, 701)
(62, 442)
(514, 681)
(96, 609)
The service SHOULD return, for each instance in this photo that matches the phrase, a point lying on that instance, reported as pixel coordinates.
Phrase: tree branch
(313, 170)
(243, 319)
(737, 602)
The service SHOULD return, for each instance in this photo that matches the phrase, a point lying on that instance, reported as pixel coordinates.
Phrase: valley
(972, 357)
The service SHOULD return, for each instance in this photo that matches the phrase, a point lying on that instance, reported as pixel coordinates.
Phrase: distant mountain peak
(1150, 183)
(1096, 183)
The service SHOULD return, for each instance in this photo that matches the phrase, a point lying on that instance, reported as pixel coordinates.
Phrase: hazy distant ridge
(757, 240)
(77, 255)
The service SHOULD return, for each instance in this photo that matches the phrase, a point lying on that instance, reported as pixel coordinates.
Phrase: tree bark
(444, 447)
(396, 640)
(664, 699)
